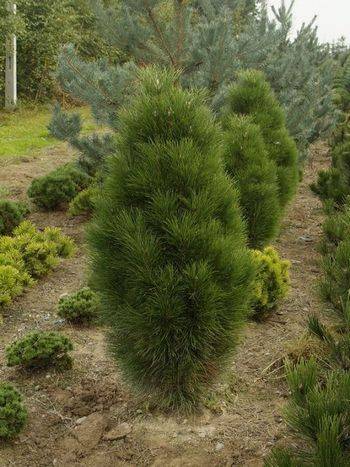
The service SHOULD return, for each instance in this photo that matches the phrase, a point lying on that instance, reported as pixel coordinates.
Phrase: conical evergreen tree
(253, 96)
(247, 162)
(168, 245)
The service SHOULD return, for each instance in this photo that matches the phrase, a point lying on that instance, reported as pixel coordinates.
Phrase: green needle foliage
(11, 215)
(333, 185)
(168, 246)
(13, 414)
(253, 96)
(59, 187)
(247, 162)
(79, 308)
(335, 284)
(336, 229)
(324, 416)
(39, 350)
(319, 412)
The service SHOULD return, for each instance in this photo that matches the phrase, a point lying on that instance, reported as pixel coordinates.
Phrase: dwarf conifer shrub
(335, 283)
(337, 343)
(334, 184)
(12, 282)
(27, 255)
(64, 246)
(11, 215)
(329, 187)
(336, 229)
(13, 414)
(247, 162)
(79, 308)
(14, 277)
(320, 412)
(40, 350)
(40, 250)
(253, 96)
(83, 203)
(272, 282)
(59, 187)
(168, 245)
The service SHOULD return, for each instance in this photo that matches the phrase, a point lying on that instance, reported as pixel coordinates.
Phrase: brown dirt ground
(72, 414)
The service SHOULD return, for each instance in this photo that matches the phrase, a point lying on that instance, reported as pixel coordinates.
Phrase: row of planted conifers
(185, 195)
(319, 407)
(184, 212)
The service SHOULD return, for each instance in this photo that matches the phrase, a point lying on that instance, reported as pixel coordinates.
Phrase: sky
(333, 17)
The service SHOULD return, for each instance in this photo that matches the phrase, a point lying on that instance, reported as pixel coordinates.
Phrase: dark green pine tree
(168, 246)
(247, 162)
(253, 96)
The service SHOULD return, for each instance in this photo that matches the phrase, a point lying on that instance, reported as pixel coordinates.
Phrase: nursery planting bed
(88, 416)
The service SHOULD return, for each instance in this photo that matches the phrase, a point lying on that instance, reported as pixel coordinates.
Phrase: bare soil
(88, 417)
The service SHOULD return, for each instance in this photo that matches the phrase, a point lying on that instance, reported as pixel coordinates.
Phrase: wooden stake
(11, 66)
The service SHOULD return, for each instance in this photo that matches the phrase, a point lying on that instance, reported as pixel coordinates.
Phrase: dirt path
(72, 414)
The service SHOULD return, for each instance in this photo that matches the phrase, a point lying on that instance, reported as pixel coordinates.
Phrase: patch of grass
(24, 132)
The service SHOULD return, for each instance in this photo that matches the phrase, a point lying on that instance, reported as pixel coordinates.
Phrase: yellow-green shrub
(12, 283)
(41, 250)
(272, 281)
(83, 203)
(29, 254)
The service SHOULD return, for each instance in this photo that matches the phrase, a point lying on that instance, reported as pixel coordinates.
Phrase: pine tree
(209, 42)
(247, 162)
(168, 245)
(252, 96)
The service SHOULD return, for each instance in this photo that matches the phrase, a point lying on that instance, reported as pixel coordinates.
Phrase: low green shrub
(13, 414)
(272, 281)
(319, 413)
(58, 187)
(11, 215)
(336, 229)
(336, 341)
(80, 307)
(334, 184)
(335, 283)
(40, 350)
(329, 186)
(83, 203)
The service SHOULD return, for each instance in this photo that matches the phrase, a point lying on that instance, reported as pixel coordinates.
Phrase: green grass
(25, 133)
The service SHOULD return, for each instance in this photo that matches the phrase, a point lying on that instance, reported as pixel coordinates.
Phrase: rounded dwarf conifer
(168, 245)
(252, 95)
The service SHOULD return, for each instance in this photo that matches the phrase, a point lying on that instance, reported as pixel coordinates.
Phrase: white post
(11, 66)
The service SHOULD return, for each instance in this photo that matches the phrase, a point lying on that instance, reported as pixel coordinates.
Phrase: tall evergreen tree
(168, 245)
(205, 40)
(252, 96)
(247, 162)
